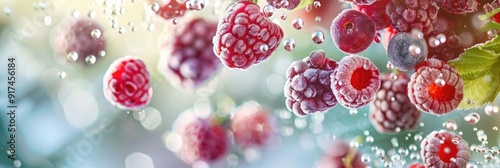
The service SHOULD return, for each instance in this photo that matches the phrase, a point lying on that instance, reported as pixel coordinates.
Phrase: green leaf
(488, 15)
(490, 26)
(479, 68)
(303, 4)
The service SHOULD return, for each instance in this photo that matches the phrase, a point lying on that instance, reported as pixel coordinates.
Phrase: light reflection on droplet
(138, 160)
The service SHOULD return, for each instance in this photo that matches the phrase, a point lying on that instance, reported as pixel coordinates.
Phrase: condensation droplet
(298, 23)
(62, 74)
(72, 56)
(91, 14)
(155, 7)
(440, 82)
(75, 13)
(268, 10)
(102, 53)
(353, 111)
(441, 38)
(283, 16)
(318, 37)
(433, 42)
(365, 158)
(417, 34)
(450, 125)
(121, 30)
(414, 50)
(317, 19)
(96, 33)
(472, 118)
(90, 59)
(317, 4)
(175, 21)
(264, 48)
(47, 20)
(490, 109)
(289, 44)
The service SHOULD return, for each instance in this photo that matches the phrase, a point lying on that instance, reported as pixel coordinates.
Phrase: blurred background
(63, 119)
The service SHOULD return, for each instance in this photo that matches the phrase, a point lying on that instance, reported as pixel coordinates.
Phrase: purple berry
(407, 15)
(355, 81)
(307, 89)
(406, 51)
(352, 31)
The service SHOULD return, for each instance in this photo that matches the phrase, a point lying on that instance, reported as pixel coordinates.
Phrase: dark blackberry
(405, 51)
(457, 6)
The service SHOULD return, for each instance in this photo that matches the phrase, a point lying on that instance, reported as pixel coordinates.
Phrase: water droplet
(440, 82)
(264, 48)
(90, 59)
(283, 16)
(72, 56)
(365, 158)
(450, 125)
(380, 152)
(403, 152)
(317, 4)
(491, 109)
(441, 38)
(317, 19)
(412, 147)
(121, 30)
(369, 139)
(492, 33)
(300, 123)
(62, 74)
(417, 137)
(284, 3)
(195, 5)
(415, 156)
(102, 53)
(353, 111)
(155, 7)
(133, 29)
(268, 10)
(393, 76)
(7, 10)
(96, 33)
(17, 163)
(308, 8)
(495, 128)
(151, 27)
(47, 20)
(417, 34)
(298, 23)
(472, 118)
(433, 42)
(289, 44)
(91, 14)
(455, 141)
(75, 13)
(414, 50)
(388, 164)
(318, 37)
(175, 21)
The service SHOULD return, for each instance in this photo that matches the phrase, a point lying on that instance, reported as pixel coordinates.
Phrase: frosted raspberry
(407, 15)
(352, 31)
(355, 81)
(202, 139)
(391, 110)
(307, 89)
(416, 165)
(445, 149)
(168, 9)
(126, 84)
(188, 59)
(376, 11)
(245, 36)
(435, 87)
(457, 6)
(81, 36)
(252, 125)
(340, 155)
(287, 4)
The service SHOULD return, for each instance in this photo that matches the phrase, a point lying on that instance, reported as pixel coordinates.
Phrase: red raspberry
(492, 6)
(445, 149)
(245, 36)
(355, 81)
(307, 89)
(81, 36)
(435, 87)
(407, 15)
(457, 6)
(202, 140)
(376, 11)
(416, 165)
(252, 125)
(126, 84)
(340, 155)
(169, 9)
(288, 4)
(391, 109)
(188, 60)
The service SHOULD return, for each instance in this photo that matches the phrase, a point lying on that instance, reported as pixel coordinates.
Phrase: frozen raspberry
(352, 31)
(457, 6)
(376, 11)
(391, 110)
(202, 139)
(387, 34)
(407, 15)
(245, 36)
(405, 51)
(252, 125)
(355, 81)
(445, 149)
(489, 7)
(188, 59)
(360, 2)
(341, 155)
(126, 84)
(287, 4)
(79, 37)
(307, 89)
(435, 87)
(416, 165)
(168, 9)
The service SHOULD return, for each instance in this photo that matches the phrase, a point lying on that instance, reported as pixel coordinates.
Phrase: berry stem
(488, 15)
(396, 71)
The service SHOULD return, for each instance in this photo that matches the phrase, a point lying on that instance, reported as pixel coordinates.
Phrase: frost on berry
(407, 15)
(376, 11)
(240, 34)
(126, 84)
(307, 89)
(341, 155)
(252, 125)
(352, 31)
(391, 110)
(76, 39)
(406, 51)
(355, 81)
(416, 165)
(187, 58)
(287, 4)
(445, 149)
(457, 6)
(168, 9)
(202, 139)
(435, 87)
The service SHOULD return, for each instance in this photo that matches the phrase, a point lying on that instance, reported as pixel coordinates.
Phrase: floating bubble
(195, 5)
(491, 109)
(172, 141)
(268, 10)
(298, 23)
(102, 53)
(75, 13)
(92, 14)
(155, 7)
(369, 139)
(318, 37)
(450, 125)
(175, 21)
(151, 27)
(62, 74)
(414, 50)
(317, 19)
(72, 56)
(417, 34)
(308, 8)
(317, 4)
(232, 160)
(96, 33)
(7, 10)
(433, 42)
(441, 38)
(440, 82)
(365, 158)
(300, 123)
(353, 111)
(90, 59)
(47, 20)
(283, 16)
(264, 48)
(472, 118)
(17, 163)
(289, 44)
(139, 160)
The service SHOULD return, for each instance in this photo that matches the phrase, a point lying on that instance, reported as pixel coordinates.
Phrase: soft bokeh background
(64, 121)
